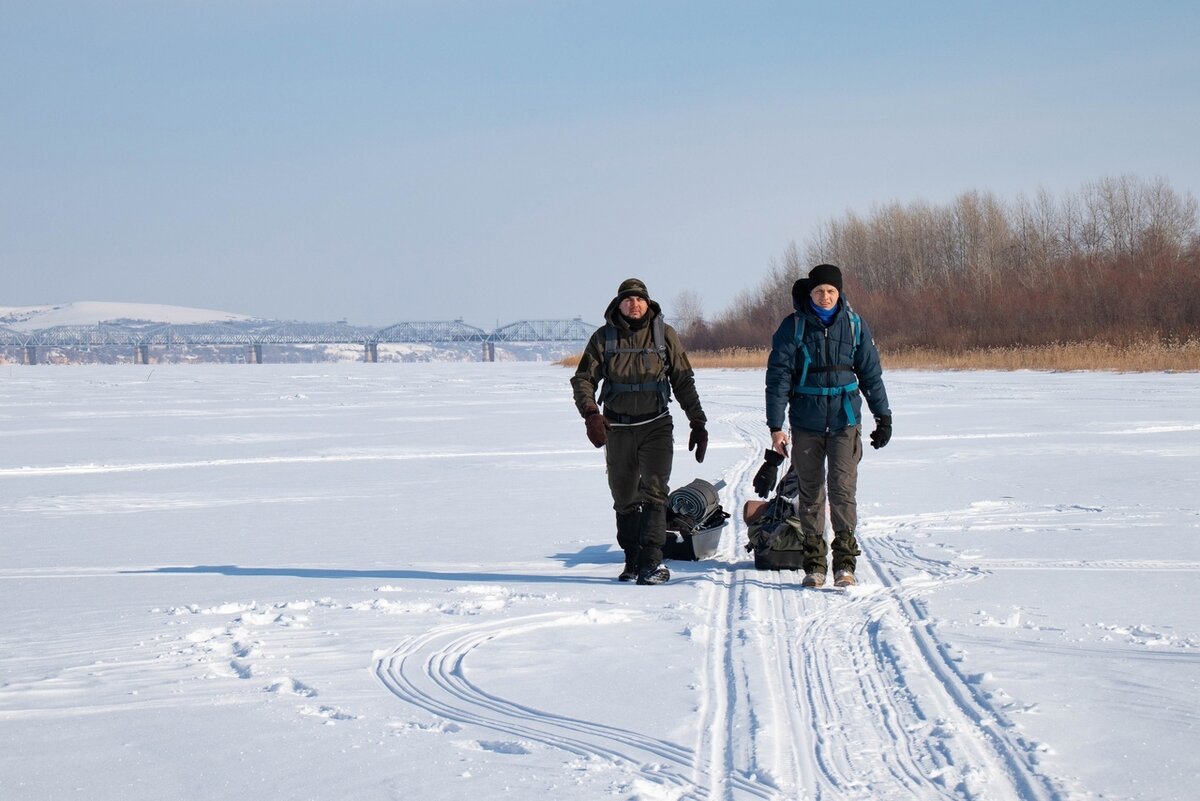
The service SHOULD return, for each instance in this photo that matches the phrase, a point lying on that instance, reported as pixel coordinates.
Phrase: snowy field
(396, 582)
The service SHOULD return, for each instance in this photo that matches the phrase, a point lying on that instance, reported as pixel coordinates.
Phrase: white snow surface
(369, 581)
(30, 318)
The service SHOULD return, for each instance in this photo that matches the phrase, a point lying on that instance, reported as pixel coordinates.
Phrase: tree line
(1117, 261)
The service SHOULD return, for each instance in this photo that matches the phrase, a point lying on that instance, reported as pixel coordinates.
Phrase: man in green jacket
(635, 359)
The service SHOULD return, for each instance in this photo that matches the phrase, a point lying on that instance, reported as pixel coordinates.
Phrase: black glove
(768, 474)
(698, 440)
(883, 431)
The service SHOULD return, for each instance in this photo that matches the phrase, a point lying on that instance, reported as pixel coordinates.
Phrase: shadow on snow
(590, 555)
(394, 575)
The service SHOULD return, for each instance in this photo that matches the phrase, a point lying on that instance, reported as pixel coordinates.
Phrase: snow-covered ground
(369, 581)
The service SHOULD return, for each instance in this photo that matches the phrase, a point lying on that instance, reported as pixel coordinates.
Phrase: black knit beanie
(825, 274)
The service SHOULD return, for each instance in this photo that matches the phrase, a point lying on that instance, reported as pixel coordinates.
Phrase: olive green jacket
(636, 368)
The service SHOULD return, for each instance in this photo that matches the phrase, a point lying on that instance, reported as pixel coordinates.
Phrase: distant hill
(91, 312)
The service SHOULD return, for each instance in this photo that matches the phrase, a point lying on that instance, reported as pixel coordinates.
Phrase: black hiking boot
(629, 534)
(657, 574)
(629, 572)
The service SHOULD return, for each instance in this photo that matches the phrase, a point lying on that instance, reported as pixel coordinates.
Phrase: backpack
(662, 385)
(775, 537)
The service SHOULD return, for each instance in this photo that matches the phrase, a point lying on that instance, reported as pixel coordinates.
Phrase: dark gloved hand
(597, 426)
(597, 429)
(883, 431)
(698, 440)
(768, 475)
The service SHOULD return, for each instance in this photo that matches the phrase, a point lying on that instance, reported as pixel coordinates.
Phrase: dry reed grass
(1138, 357)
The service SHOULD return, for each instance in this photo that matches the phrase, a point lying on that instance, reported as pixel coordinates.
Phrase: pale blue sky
(498, 161)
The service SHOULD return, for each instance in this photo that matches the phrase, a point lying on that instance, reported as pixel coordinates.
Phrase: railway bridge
(142, 337)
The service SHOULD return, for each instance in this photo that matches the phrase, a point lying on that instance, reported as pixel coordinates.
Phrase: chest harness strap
(661, 385)
(801, 387)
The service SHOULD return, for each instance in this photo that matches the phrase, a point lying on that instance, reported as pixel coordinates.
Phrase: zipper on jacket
(828, 405)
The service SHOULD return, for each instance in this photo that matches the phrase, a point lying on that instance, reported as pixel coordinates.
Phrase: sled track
(825, 694)
(998, 738)
(428, 672)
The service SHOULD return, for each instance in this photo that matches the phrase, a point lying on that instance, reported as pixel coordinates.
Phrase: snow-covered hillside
(379, 581)
(29, 318)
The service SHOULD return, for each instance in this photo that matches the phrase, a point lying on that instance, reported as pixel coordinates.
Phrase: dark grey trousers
(811, 453)
(639, 462)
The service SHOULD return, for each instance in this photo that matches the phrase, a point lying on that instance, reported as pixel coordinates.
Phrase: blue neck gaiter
(825, 316)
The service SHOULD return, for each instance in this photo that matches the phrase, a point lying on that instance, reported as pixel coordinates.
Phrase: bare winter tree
(1171, 219)
(686, 312)
(945, 275)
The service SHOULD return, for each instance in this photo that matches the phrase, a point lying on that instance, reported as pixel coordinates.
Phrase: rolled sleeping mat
(696, 500)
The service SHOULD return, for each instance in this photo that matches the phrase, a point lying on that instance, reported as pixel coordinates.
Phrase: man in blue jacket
(823, 363)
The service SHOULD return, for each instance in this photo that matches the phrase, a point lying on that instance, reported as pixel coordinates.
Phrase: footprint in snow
(496, 746)
(289, 686)
(329, 713)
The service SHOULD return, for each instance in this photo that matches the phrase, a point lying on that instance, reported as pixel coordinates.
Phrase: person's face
(824, 295)
(634, 307)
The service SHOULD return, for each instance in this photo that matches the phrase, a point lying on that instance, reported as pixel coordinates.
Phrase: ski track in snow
(821, 693)
(805, 693)
(428, 671)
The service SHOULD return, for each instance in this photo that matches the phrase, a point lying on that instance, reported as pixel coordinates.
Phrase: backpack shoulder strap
(659, 335)
(855, 329)
(801, 348)
(610, 340)
(610, 347)
(658, 332)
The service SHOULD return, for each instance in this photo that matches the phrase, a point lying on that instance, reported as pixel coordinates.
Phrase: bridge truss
(544, 331)
(254, 335)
